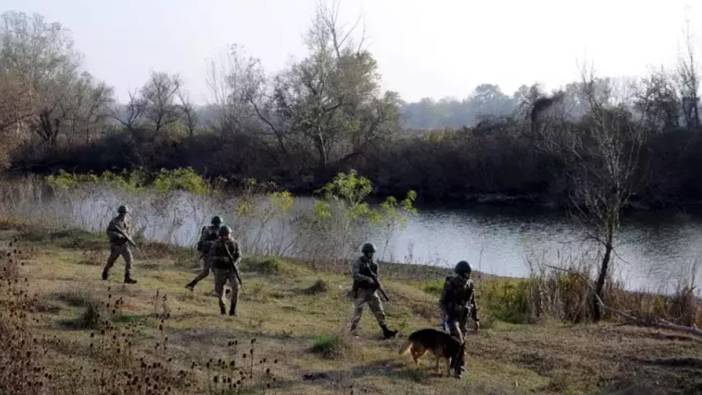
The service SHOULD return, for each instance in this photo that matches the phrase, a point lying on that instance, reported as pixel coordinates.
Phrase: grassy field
(289, 337)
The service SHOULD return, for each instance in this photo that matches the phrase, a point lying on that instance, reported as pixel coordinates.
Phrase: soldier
(120, 240)
(457, 302)
(364, 290)
(208, 235)
(223, 257)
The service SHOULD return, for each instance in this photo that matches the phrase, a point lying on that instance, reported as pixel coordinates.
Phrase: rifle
(380, 287)
(129, 239)
(231, 260)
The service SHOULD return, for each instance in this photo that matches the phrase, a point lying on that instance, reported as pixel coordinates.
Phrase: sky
(424, 48)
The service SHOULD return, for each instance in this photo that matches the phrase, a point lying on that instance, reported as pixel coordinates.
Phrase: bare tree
(15, 113)
(130, 115)
(244, 100)
(331, 100)
(188, 112)
(658, 103)
(601, 154)
(688, 81)
(159, 100)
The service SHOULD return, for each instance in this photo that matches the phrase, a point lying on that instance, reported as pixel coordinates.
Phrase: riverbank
(290, 309)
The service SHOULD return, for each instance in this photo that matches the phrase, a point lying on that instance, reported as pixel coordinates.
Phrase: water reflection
(653, 249)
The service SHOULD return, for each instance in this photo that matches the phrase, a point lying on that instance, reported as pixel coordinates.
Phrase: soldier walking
(208, 236)
(365, 291)
(223, 258)
(457, 302)
(120, 240)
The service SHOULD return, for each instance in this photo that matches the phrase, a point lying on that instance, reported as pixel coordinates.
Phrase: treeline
(327, 113)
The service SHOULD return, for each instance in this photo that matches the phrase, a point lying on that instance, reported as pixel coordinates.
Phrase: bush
(320, 286)
(75, 298)
(506, 300)
(330, 346)
(89, 319)
(434, 287)
(262, 265)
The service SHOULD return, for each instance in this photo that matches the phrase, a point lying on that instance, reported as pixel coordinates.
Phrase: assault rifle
(123, 234)
(379, 287)
(232, 261)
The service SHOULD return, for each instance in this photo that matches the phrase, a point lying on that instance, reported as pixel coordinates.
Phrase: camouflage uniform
(365, 291)
(119, 246)
(218, 259)
(208, 236)
(456, 302)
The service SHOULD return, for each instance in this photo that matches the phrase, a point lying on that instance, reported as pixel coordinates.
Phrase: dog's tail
(405, 347)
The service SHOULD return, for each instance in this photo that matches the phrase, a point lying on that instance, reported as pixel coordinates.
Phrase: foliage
(135, 181)
(505, 300)
(343, 215)
(330, 346)
(351, 191)
(132, 182)
(269, 265)
(180, 180)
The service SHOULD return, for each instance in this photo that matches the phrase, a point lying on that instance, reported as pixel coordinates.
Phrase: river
(654, 251)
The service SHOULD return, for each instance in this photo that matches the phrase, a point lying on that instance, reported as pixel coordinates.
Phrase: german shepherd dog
(441, 344)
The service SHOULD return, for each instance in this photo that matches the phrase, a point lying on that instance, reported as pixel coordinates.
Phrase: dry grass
(177, 339)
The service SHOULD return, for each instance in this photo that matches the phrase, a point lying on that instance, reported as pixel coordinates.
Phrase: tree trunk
(602, 276)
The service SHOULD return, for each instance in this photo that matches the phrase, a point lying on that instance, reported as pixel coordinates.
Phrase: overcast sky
(424, 48)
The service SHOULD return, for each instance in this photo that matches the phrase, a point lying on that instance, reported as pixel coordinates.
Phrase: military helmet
(225, 231)
(123, 209)
(462, 268)
(368, 248)
(216, 220)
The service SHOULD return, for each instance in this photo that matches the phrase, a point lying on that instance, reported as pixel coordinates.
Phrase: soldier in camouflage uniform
(208, 235)
(364, 290)
(457, 302)
(118, 232)
(223, 258)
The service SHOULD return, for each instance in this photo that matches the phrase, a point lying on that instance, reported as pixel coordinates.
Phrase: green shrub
(266, 265)
(434, 287)
(506, 300)
(330, 346)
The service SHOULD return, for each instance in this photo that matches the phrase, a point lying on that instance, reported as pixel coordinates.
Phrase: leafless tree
(159, 100)
(688, 80)
(657, 102)
(15, 113)
(130, 116)
(188, 112)
(601, 154)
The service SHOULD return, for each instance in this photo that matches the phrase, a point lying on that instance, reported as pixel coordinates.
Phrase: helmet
(225, 231)
(216, 220)
(368, 248)
(462, 268)
(123, 209)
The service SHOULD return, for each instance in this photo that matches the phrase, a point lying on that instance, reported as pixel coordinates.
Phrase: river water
(654, 251)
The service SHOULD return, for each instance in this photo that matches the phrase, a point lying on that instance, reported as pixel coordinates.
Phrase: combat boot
(190, 286)
(222, 308)
(104, 274)
(129, 280)
(388, 333)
